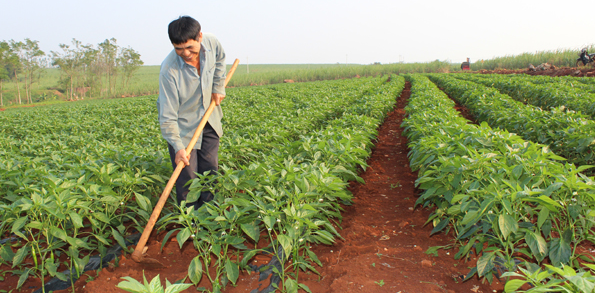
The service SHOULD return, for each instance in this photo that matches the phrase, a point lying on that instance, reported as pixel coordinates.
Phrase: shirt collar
(183, 63)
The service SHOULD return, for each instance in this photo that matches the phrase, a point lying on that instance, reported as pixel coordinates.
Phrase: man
(191, 76)
(584, 56)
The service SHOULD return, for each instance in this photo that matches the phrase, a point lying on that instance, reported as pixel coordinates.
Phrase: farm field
(335, 177)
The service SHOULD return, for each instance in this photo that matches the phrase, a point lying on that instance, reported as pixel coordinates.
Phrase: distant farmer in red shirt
(465, 65)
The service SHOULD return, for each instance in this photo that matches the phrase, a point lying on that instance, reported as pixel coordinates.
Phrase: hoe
(138, 254)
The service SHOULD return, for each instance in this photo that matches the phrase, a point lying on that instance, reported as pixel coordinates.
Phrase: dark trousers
(205, 159)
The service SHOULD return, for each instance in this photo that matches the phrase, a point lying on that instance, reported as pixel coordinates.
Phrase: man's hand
(218, 98)
(181, 156)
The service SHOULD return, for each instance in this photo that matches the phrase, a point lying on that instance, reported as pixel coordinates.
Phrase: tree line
(85, 70)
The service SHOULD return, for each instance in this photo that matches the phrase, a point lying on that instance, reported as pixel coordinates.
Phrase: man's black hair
(183, 29)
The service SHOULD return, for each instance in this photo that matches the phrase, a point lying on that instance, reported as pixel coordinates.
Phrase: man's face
(189, 51)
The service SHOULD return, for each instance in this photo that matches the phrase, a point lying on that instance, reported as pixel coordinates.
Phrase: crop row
(77, 177)
(567, 133)
(507, 200)
(583, 83)
(290, 194)
(544, 96)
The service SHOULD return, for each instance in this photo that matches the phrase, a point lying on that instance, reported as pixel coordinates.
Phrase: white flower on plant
(121, 203)
(575, 193)
(321, 200)
(301, 239)
(192, 236)
(278, 220)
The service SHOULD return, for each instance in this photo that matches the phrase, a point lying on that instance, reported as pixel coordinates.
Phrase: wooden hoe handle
(137, 255)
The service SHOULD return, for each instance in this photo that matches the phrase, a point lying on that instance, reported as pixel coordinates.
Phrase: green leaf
(131, 285)
(51, 267)
(101, 217)
(18, 225)
(581, 283)
(547, 202)
(286, 243)
(485, 263)
(269, 222)
(537, 244)
(119, 239)
(76, 219)
(183, 235)
(232, 271)
(20, 255)
(142, 201)
(58, 233)
(291, 285)
(23, 277)
(193, 195)
(155, 285)
(513, 285)
(6, 252)
(35, 225)
(176, 288)
(101, 239)
(458, 197)
(195, 270)
(542, 217)
(233, 240)
(251, 230)
(517, 171)
(313, 257)
(248, 255)
(507, 225)
(560, 251)
(440, 226)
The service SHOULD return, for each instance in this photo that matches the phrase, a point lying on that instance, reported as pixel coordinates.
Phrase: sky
(312, 31)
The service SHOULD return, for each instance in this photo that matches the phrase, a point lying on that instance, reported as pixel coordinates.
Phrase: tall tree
(32, 61)
(17, 49)
(69, 61)
(92, 70)
(109, 54)
(4, 67)
(129, 61)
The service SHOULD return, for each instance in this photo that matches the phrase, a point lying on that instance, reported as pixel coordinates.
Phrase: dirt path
(385, 237)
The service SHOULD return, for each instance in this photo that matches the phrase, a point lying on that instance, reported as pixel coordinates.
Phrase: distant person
(584, 56)
(465, 65)
(191, 76)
